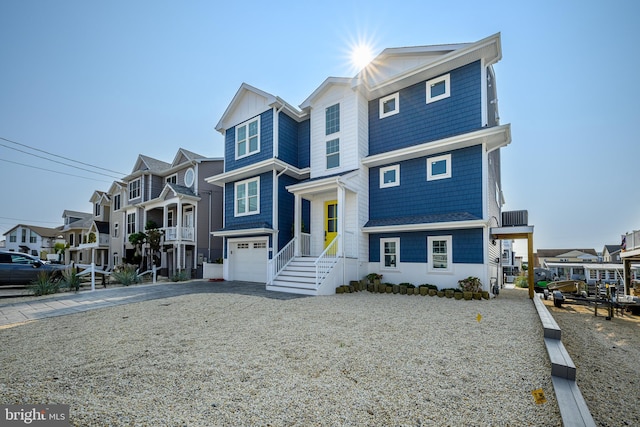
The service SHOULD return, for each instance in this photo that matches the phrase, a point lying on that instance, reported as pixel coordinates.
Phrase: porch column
(626, 263)
(341, 218)
(297, 221)
(178, 260)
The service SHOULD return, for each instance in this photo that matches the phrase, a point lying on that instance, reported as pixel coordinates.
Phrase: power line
(61, 157)
(56, 161)
(50, 170)
(27, 220)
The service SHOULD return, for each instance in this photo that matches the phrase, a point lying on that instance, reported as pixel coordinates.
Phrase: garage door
(249, 261)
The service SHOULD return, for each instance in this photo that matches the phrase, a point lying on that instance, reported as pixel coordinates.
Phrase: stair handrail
(281, 260)
(325, 262)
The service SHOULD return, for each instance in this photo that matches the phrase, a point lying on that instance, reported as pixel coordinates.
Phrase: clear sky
(101, 82)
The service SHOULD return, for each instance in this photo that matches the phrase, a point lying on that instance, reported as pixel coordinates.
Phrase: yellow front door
(330, 221)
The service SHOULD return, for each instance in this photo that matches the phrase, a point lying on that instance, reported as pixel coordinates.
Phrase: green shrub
(126, 276)
(181, 276)
(521, 281)
(470, 284)
(429, 286)
(43, 285)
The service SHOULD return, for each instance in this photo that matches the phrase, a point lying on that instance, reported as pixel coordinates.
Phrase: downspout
(276, 152)
(275, 199)
(341, 220)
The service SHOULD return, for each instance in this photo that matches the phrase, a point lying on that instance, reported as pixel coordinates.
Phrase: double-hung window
(134, 189)
(131, 223)
(247, 197)
(439, 253)
(439, 167)
(390, 176)
(248, 138)
(116, 202)
(389, 253)
(332, 127)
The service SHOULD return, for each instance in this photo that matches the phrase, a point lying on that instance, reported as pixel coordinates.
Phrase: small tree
(137, 240)
(154, 239)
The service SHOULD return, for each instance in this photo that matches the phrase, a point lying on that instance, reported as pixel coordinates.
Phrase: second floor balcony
(176, 234)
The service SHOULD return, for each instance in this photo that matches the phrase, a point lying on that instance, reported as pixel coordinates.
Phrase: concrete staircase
(298, 277)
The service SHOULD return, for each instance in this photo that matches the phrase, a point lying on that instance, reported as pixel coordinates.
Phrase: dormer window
(438, 88)
(248, 138)
(134, 189)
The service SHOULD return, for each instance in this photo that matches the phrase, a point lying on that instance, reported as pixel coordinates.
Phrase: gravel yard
(225, 359)
(607, 358)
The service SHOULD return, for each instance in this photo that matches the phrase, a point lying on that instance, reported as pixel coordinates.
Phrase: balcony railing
(633, 240)
(171, 234)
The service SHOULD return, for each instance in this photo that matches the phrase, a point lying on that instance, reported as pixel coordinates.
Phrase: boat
(567, 286)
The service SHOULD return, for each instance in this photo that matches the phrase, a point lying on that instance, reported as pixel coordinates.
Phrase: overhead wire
(51, 170)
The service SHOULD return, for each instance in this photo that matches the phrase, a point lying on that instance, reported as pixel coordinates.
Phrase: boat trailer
(607, 299)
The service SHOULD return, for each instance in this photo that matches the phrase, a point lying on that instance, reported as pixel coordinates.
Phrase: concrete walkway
(69, 303)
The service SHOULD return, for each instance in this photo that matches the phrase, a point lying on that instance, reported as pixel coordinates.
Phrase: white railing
(325, 262)
(103, 240)
(633, 240)
(305, 244)
(281, 260)
(171, 234)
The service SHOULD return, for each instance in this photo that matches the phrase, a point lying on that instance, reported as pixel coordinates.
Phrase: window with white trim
(116, 229)
(97, 209)
(439, 253)
(247, 197)
(248, 138)
(134, 189)
(438, 88)
(333, 153)
(173, 179)
(131, 223)
(389, 253)
(390, 105)
(439, 167)
(116, 202)
(332, 119)
(390, 176)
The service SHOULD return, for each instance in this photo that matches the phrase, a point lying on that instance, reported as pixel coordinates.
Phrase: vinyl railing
(325, 262)
(171, 234)
(632, 240)
(280, 261)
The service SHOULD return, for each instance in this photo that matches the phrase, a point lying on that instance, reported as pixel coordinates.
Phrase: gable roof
(612, 248)
(40, 231)
(184, 156)
(554, 253)
(268, 100)
(146, 163)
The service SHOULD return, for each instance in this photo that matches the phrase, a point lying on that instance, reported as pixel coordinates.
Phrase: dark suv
(17, 268)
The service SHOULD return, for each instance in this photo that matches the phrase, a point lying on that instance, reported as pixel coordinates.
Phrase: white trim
(484, 94)
(430, 240)
(447, 88)
(395, 240)
(257, 169)
(431, 160)
(172, 179)
(243, 232)
(246, 197)
(336, 153)
(394, 183)
(383, 101)
(426, 226)
(139, 180)
(193, 179)
(494, 138)
(246, 124)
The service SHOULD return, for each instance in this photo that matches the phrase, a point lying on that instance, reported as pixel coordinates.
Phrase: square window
(333, 153)
(390, 105)
(438, 88)
(389, 253)
(439, 167)
(332, 116)
(248, 138)
(439, 253)
(247, 197)
(390, 176)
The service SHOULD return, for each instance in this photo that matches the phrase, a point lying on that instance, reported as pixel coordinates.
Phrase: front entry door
(330, 221)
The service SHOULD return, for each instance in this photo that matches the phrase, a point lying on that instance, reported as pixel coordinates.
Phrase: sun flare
(361, 55)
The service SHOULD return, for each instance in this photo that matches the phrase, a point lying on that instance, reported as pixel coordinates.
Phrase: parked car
(17, 268)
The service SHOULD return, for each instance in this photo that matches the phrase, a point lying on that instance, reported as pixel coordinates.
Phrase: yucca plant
(126, 276)
(43, 285)
(70, 280)
(181, 276)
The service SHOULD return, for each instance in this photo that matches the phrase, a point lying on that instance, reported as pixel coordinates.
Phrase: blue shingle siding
(415, 196)
(249, 221)
(467, 245)
(288, 136)
(266, 144)
(304, 144)
(286, 202)
(419, 122)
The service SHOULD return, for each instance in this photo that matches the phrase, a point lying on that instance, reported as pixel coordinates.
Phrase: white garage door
(249, 260)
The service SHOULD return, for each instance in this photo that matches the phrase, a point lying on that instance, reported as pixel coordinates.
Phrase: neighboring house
(32, 240)
(395, 171)
(579, 264)
(75, 232)
(611, 254)
(176, 198)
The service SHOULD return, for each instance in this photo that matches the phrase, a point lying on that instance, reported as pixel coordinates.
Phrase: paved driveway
(69, 303)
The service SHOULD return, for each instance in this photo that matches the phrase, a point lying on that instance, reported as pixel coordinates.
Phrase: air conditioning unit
(515, 218)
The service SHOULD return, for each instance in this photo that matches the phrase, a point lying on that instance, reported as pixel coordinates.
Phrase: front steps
(298, 277)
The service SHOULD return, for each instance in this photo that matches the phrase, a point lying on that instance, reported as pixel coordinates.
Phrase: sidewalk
(70, 303)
